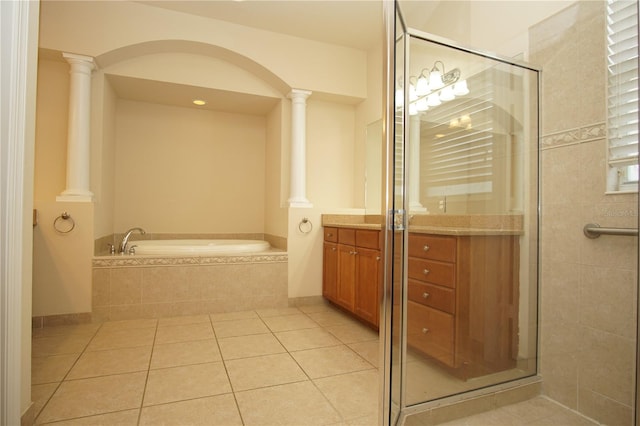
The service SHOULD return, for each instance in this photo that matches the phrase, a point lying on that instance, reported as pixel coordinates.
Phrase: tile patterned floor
(306, 366)
(295, 366)
(539, 411)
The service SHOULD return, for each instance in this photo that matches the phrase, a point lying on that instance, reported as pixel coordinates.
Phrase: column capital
(83, 60)
(299, 94)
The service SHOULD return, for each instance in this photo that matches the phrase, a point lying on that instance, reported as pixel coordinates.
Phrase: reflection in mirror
(472, 197)
(373, 168)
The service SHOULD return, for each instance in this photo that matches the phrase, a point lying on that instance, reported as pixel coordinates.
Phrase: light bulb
(422, 105)
(435, 80)
(460, 88)
(446, 94)
(422, 86)
(433, 100)
(412, 93)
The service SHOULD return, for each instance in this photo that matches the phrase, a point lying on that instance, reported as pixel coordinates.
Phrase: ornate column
(414, 165)
(78, 142)
(298, 174)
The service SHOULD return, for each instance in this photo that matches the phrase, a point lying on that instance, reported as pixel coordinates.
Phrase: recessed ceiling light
(199, 102)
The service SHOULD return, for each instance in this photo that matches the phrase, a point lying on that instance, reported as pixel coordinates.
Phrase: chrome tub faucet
(125, 239)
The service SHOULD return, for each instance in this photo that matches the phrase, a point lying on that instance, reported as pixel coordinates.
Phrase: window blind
(458, 156)
(622, 94)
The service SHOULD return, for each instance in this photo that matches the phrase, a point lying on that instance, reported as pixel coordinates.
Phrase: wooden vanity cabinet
(462, 305)
(352, 270)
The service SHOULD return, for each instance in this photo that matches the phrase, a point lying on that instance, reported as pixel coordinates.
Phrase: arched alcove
(137, 50)
(210, 165)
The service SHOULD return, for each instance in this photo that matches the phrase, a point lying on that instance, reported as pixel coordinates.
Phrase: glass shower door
(468, 179)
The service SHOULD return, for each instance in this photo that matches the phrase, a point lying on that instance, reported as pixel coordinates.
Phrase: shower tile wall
(588, 286)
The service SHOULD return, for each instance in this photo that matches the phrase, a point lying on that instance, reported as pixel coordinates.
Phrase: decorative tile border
(574, 136)
(133, 261)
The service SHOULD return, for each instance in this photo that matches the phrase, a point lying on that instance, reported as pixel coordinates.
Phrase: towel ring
(305, 226)
(64, 217)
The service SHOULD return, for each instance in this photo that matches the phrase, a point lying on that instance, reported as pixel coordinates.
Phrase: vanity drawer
(436, 247)
(331, 234)
(368, 239)
(347, 236)
(430, 331)
(432, 295)
(432, 271)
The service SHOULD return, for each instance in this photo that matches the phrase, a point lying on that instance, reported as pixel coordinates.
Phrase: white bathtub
(197, 247)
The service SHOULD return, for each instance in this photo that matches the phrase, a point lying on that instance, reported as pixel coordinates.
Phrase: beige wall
(336, 157)
(184, 170)
(103, 137)
(330, 154)
(133, 171)
(588, 286)
(61, 262)
(367, 112)
(275, 216)
(109, 26)
(51, 129)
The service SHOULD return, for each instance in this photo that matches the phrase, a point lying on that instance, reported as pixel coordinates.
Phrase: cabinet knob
(425, 295)
(425, 330)
(329, 234)
(377, 257)
(426, 248)
(426, 272)
(333, 249)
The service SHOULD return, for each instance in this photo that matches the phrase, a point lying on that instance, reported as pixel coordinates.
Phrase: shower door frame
(392, 14)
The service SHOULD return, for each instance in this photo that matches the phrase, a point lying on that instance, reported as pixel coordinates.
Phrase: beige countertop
(353, 221)
(440, 230)
(463, 225)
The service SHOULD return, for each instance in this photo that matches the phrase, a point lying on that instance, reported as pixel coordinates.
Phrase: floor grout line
(277, 336)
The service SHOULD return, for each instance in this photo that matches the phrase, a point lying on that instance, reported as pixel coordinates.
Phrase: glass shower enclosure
(463, 296)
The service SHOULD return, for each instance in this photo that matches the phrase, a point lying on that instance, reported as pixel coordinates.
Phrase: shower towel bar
(593, 230)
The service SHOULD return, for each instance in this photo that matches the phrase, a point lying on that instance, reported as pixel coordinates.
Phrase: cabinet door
(367, 282)
(330, 271)
(431, 332)
(346, 276)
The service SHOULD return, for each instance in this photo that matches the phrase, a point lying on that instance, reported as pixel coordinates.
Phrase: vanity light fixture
(432, 87)
(199, 102)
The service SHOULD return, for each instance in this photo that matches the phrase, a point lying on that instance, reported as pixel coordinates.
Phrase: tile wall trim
(134, 261)
(574, 136)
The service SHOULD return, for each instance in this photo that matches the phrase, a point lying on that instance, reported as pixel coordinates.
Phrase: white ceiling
(353, 23)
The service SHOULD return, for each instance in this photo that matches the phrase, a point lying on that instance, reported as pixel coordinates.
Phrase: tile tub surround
(129, 287)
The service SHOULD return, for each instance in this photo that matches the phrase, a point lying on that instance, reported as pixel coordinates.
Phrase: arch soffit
(185, 46)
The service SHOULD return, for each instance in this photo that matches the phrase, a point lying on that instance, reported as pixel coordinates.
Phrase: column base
(417, 208)
(75, 196)
(299, 203)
